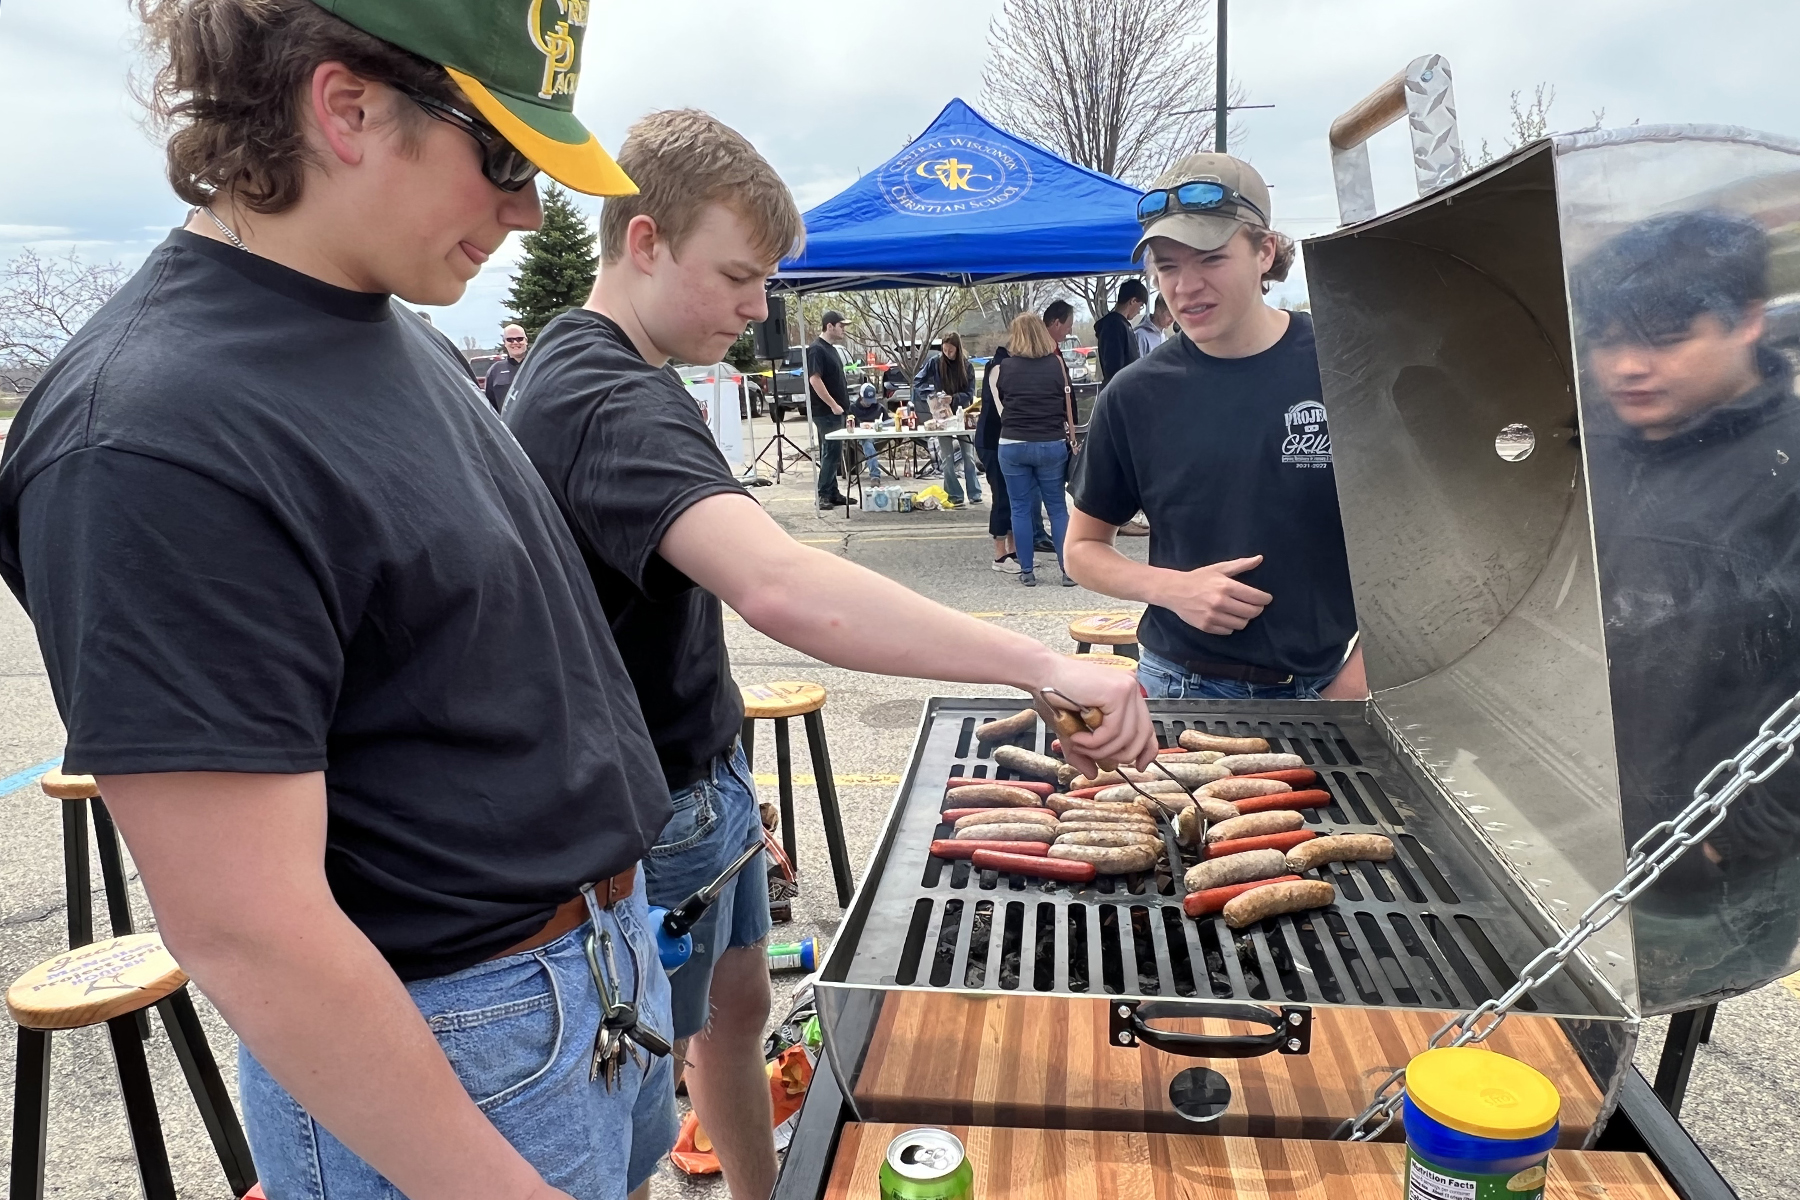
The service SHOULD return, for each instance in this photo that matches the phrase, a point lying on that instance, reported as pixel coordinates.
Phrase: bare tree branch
(904, 323)
(43, 301)
(1121, 86)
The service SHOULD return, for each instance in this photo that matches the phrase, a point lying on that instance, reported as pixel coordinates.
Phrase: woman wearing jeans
(1031, 397)
(948, 372)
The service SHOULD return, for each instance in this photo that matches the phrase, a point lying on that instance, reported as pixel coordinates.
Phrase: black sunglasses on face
(1200, 195)
(505, 167)
(510, 341)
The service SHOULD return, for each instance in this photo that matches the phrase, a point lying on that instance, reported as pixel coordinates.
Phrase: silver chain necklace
(230, 234)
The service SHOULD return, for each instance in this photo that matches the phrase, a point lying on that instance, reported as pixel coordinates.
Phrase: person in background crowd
(1697, 532)
(868, 410)
(500, 375)
(830, 397)
(1154, 329)
(670, 534)
(1031, 398)
(1248, 581)
(350, 695)
(948, 373)
(1116, 347)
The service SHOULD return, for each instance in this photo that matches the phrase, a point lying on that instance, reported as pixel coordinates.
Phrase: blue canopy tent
(966, 203)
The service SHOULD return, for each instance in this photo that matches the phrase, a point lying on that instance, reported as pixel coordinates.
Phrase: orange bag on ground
(789, 1076)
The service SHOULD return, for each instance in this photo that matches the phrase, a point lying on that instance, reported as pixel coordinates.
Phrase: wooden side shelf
(1062, 1164)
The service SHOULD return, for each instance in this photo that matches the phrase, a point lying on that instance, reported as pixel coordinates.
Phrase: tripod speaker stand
(770, 335)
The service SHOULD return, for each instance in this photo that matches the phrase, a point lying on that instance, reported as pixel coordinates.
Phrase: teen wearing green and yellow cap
(315, 622)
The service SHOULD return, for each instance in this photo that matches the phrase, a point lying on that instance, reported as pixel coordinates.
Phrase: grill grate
(1427, 929)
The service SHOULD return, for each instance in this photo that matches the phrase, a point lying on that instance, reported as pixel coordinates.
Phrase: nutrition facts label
(1422, 1183)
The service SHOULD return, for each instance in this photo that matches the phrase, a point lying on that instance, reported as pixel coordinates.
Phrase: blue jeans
(831, 454)
(871, 461)
(715, 820)
(519, 1032)
(955, 451)
(1034, 471)
(1167, 680)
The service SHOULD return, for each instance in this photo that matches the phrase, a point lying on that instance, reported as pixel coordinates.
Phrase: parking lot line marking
(29, 775)
(842, 780)
(1792, 983)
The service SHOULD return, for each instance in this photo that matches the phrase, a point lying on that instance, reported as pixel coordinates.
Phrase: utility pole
(1222, 103)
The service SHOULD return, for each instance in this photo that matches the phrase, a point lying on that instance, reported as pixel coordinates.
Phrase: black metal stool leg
(828, 807)
(1083, 647)
(1677, 1061)
(1708, 1014)
(112, 870)
(140, 1109)
(747, 735)
(208, 1087)
(76, 887)
(784, 780)
(31, 1115)
(1129, 650)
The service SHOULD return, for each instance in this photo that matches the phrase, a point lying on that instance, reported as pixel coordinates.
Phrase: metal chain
(1765, 754)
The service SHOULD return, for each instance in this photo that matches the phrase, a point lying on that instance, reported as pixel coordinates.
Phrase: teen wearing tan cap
(670, 534)
(1220, 437)
(316, 624)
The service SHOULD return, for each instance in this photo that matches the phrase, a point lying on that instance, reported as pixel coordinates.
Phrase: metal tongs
(1073, 719)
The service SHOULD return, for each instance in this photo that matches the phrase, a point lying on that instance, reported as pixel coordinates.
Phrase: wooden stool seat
(69, 787)
(1105, 629)
(766, 701)
(1107, 660)
(94, 983)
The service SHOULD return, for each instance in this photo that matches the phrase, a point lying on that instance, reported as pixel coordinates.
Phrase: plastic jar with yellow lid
(1479, 1126)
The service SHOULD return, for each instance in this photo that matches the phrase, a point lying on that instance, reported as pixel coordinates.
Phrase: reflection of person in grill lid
(1697, 521)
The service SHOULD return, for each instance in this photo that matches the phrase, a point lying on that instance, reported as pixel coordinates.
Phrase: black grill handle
(1290, 1028)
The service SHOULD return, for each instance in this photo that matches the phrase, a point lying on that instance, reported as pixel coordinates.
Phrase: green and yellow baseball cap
(518, 61)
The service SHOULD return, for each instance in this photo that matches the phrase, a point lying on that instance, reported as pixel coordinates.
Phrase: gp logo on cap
(560, 48)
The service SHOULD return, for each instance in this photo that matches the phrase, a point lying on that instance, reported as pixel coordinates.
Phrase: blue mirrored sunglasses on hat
(1200, 196)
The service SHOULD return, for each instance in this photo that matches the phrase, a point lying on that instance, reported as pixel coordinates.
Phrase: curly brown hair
(1284, 253)
(232, 80)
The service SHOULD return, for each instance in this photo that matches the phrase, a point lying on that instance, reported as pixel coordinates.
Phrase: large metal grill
(1433, 928)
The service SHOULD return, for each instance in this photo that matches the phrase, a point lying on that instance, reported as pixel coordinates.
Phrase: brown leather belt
(1238, 672)
(571, 913)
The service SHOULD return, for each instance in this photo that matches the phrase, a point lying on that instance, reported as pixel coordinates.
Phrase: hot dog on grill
(1021, 831)
(1033, 766)
(1007, 816)
(1006, 727)
(1275, 899)
(974, 795)
(1344, 847)
(951, 848)
(1025, 864)
(1312, 798)
(1238, 868)
(1272, 841)
(1297, 777)
(1254, 825)
(1111, 860)
(1193, 739)
(1212, 900)
(1240, 789)
(1245, 764)
(1106, 837)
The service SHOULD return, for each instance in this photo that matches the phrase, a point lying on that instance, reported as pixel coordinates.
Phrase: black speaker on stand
(770, 336)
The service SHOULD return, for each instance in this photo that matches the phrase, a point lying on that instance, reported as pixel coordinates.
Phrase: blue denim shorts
(519, 1032)
(1167, 680)
(715, 820)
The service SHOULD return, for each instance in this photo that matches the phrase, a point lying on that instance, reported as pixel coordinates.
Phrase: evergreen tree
(558, 269)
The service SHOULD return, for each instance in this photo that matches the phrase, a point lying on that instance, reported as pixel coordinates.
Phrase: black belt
(1257, 676)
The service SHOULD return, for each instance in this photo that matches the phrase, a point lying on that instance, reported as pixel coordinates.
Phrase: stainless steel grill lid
(1563, 428)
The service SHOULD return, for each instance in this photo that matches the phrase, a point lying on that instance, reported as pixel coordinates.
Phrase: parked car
(1079, 370)
(479, 364)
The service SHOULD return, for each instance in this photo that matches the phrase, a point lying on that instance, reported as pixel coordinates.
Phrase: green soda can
(927, 1164)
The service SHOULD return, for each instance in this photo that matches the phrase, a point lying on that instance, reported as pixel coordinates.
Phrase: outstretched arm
(804, 598)
(1209, 598)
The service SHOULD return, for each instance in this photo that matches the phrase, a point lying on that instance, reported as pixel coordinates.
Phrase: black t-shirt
(325, 552)
(1229, 458)
(1115, 345)
(823, 360)
(499, 380)
(625, 452)
(1032, 404)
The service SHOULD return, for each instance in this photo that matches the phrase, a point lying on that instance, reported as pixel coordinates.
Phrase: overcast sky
(830, 89)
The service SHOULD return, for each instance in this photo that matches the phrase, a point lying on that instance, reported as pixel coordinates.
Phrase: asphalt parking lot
(1741, 1103)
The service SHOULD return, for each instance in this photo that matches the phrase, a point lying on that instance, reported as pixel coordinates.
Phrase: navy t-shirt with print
(1229, 458)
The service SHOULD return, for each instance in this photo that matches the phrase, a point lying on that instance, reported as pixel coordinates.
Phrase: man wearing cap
(1220, 437)
(830, 396)
(500, 374)
(320, 630)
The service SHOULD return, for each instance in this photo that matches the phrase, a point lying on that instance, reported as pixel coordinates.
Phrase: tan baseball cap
(1209, 231)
